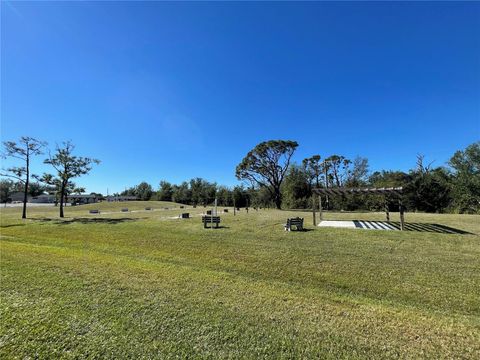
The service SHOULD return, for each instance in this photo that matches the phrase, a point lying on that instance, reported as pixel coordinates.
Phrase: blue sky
(179, 90)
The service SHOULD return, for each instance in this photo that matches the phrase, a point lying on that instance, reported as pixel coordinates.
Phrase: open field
(144, 285)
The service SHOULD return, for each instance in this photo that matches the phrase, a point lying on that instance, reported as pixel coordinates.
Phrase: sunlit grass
(144, 284)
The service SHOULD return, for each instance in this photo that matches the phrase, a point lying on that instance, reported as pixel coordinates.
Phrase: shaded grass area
(154, 286)
(411, 226)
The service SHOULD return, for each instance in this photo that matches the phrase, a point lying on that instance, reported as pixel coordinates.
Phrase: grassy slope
(143, 284)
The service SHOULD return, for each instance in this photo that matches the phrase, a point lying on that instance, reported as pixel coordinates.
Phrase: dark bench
(124, 210)
(209, 212)
(210, 220)
(225, 210)
(181, 206)
(184, 215)
(94, 211)
(148, 208)
(297, 222)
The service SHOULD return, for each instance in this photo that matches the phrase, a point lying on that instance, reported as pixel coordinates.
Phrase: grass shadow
(11, 225)
(301, 231)
(111, 221)
(425, 227)
(219, 227)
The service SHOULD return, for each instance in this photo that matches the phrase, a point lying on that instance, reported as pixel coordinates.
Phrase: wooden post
(313, 211)
(387, 213)
(402, 218)
(320, 215)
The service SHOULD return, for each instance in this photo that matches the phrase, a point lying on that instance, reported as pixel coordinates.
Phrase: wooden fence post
(320, 215)
(313, 211)
(402, 217)
(387, 213)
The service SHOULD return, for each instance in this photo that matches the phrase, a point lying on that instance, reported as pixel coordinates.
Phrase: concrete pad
(337, 224)
(358, 224)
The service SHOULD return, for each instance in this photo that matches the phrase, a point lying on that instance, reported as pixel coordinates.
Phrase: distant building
(17, 196)
(43, 199)
(83, 199)
(120, 198)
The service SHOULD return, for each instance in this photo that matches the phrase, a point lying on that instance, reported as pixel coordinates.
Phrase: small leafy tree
(466, 180)
(429, 190)
(67, 167)
(266, 166)
(144, 191)
(23, 150)
(181, 193)
(239, 196)
(6, 189)
(224, 196)
(166, 191)
(296, 188)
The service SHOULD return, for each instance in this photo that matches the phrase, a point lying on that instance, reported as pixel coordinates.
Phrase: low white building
(43, 199)
(17, 196)
(121, 198)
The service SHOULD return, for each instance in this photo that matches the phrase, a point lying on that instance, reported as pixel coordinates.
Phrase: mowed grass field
(145, 285)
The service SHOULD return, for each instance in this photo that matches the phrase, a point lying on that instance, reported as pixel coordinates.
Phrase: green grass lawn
(144, 285)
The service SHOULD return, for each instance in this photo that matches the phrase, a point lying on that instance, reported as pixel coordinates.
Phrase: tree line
(271, 179)
(196, 191)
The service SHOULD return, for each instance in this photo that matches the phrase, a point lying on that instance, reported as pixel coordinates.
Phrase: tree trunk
(278, 199)
(62, 195)
(25, 193)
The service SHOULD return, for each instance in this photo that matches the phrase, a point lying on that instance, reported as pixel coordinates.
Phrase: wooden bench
(148, 208)
(181, 206)
(297, 222)
(225, 210)
(184, 215)
(94, 211)
(124, 210)
(210, 220)
(209, 212)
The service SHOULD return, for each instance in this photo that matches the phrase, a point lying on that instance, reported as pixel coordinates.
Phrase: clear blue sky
(179, 90)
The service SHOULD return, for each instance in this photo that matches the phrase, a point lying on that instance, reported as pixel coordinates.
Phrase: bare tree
(24, 149)
(339, 167)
